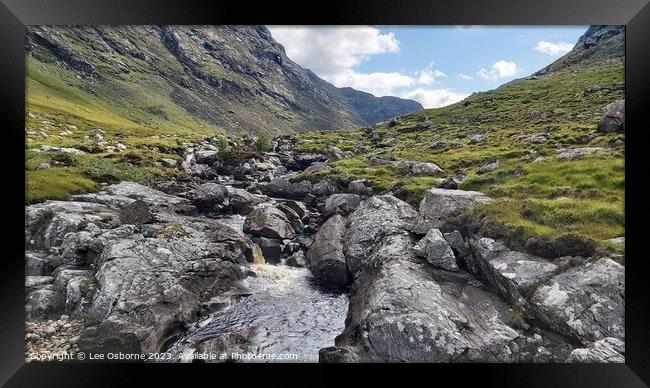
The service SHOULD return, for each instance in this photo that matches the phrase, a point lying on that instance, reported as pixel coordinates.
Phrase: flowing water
(287, 311)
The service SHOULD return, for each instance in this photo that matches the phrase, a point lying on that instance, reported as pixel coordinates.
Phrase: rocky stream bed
(242, 259)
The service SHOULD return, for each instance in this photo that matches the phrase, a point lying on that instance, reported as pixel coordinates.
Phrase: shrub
(263, 144)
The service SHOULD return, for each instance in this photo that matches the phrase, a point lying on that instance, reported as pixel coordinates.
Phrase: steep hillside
(233, 79)
(533, 145)
(375, 109)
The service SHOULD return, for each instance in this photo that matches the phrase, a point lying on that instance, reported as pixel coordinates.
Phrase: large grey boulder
(147, 287)
(425, 168)
(341, 204)
(435, 248)
(586, 302)
(269, 221)
(210, 197)
(283, 188)
(47, 223)
(136, 213)
(577, 153)
(613, 118)
(241, 201)
(608, 349)
(514, 274)
(378, 217)
(438, 205)
(325, 256)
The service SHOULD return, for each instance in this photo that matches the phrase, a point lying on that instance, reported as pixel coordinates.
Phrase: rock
(135, 191)
(478, 139)
(325, 256)
(577, 153)
(341, 204)
(608, 349)
(292, 216)
(585, 302)
(537, 139)
(617, 240)
(43, 166)
(147, 287)
(358, 187)
(284, 188)
(488, 167)
(40, 264)
(449, 183)
(375, 219)
(34, 282)
(206, 157)
(241, 201)
(269, 222)
(227, 344)
(438, 205)
(436, 250)
(614, 118)
(592, 89)
(297, 260)
(515, 275)
(210, 197)
(324, 188)
(298, 207)
(272, 249)
(169, 162)
(426, 169)
(461, 249)
(136, 213)
(538, 159)
(42, 304)
(203, 171)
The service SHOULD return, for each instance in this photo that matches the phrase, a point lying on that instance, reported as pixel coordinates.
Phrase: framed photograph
(443, 189)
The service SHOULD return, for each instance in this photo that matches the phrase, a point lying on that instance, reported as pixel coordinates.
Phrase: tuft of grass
(56, 183)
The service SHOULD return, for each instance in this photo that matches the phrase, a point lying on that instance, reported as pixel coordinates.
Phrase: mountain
(599, 45)
(233, 78)
(375, 109)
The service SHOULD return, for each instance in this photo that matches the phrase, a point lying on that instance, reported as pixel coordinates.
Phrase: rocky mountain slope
(230, 78)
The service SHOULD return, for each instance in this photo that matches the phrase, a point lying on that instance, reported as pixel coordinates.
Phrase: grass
(551, 199)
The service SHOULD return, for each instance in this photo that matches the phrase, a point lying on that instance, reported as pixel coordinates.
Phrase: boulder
(325, 256)
(341, 204)
(136, 213)
(461, 249)
(438, 205)
(488, 167)
(148, 287)
(537, 139)
(40, 264)
(614, 118)
(358, 187)
(43, 304)
(206, 157)
(423, 168)
(241, 201)
(478, 139)
(269, 221)
(515, 275)
(284, 188)
(210, 197)
(608, 349)
(577, 153)
(586, 302)
(436, 250)
(298, 259)
(378, 217)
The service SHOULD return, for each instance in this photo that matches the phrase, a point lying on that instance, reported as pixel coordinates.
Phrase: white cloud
(464, 76)
(329, 51)
(434, 98)
(428, 76)
(334, 52)
(378, 84)
(554, 49)
(500, 69)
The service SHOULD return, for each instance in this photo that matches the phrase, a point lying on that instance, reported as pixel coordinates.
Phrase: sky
(435, 66)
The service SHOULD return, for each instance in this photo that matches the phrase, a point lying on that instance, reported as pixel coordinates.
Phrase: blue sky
(436, 66)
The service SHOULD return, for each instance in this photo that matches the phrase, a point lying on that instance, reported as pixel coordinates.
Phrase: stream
(287, 312)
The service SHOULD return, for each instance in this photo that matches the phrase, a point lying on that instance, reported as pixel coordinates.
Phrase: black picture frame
(16, 14)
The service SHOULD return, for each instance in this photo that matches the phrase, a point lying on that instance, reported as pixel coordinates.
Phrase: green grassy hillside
(551, 198)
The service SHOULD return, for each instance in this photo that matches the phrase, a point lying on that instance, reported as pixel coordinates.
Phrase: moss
(172, 231)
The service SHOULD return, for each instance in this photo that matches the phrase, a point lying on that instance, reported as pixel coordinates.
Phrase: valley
(184, 199)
